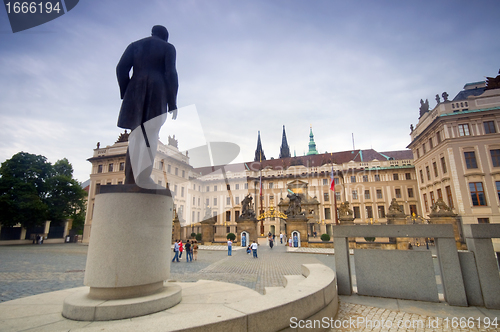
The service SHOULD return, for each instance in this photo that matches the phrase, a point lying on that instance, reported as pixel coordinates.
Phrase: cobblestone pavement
(33, 269)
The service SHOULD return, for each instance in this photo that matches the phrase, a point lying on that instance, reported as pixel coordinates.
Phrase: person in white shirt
(254, 247)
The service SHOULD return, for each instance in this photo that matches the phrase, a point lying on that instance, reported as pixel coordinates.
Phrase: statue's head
(160, 31)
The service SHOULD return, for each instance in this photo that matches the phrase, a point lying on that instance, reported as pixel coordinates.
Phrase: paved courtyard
(34, 269)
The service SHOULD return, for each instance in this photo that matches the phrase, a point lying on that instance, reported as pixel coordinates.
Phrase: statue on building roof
(411, 128)
(173, 142)
(123, 137)
(438, 100)
(493, 82)
(445, 96)
(424, 107)
(98, 145)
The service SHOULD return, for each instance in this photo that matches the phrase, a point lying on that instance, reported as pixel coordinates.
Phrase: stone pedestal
(348, 220)
(298, 223)
(207, 230)
(396, 216)
(248, 225)
(128, 257)
(450, 219)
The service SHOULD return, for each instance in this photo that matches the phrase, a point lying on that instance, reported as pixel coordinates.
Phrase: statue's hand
(173, 110)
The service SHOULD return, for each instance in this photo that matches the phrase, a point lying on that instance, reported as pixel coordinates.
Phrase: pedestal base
(80, 306)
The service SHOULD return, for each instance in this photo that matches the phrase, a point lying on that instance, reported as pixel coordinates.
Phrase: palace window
(424, 150)
(413, 209)
(337, 197)
(237, 186)
(182, 191)
(440, 194)
(431, 145)
(477, 194)
(443, 165)
(489, 127)
(381, 211)
(228, 187)
(325, 182)
(354, 194)
(169, 169)
(336, 180)
(449, 196)
(355, 209)
(421, 176)
(176, 171)
(377, 177)
(367, 194)
(228, 215)
(379, 194)
(408, 176)
(246, 185)
(208, 189)
(271, 185)
(99, 168)
(365, 178)
(369, 212)
(435, 167)
(228, 200)
(418, 153)
(194, 200)
(215, 188)
(236, 200)
(483, 220)
(328, 214)
(326, 197)
(463, 130)
(438, 137)
(183, 173)
(215, 201)
(395, 176)
(410, 192)
(110, 167)
(432, 198)
(353, 179)
(498, 189)
(495, 157)
(208, 201)
(426, 204)
(470, 160)
(175, 189)
(122, 166)
(428, 172)
(398, 193)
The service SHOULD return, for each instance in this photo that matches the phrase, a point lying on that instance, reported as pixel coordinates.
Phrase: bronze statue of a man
(147, 96)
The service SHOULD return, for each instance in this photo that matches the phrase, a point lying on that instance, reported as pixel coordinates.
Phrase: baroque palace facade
(454, 155)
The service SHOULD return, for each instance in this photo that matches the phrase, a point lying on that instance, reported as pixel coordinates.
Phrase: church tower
(259, 152)
(312, 145)
(284, 150)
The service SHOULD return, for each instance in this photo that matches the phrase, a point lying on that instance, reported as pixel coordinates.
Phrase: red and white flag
(332, 184)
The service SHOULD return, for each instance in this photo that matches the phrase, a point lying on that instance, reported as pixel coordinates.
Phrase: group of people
(191, 250)
(253, 248)
(293, 241)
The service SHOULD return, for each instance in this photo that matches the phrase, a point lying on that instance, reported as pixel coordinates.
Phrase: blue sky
(343, 67)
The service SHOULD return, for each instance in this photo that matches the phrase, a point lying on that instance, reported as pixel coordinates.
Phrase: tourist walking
(176, 251)
(281, 238)
(271, 242)
(290, 241)
(254, 247)
(229, 247)
(195, 250)
(181, 248)
(189, 253)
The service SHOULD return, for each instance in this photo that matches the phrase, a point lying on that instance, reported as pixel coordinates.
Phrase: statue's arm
(123, 69)
(172, 79)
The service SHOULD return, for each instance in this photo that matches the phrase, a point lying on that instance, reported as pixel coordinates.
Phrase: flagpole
(332, 187)
(260, 190)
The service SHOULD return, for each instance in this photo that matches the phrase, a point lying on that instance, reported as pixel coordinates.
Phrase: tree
(231, 236)
(23, 190)
(32, 190)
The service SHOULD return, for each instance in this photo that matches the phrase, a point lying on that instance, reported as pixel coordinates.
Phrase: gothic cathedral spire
(284, 150)
(259, 152)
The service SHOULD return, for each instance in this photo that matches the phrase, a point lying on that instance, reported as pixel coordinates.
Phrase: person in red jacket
(181, 248)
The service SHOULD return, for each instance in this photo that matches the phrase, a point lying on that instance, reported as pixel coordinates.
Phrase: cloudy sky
(344, 67)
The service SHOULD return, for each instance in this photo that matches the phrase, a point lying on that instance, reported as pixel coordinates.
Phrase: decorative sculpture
(438, 100)
(440, 207)
(424, 107)
(493, 82)
(344, 210)
(295, 207)
(395, 208)
(445, 96)
(147, 96)
(246, 210)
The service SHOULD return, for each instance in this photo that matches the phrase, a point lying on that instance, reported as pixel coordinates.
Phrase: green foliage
(32, 190)
(325, 237)
(231, 236)
(198, 237)
(193, 235)
(369, 239)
